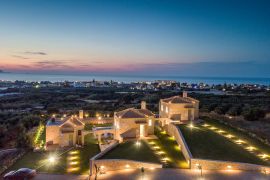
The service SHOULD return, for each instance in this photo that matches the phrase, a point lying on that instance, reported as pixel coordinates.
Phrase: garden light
(52, 159)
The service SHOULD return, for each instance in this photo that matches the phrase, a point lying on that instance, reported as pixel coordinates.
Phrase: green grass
(206, 144)
(90, 149)
(129, 150)
(39, 160)
(171, 149)
(244, 136)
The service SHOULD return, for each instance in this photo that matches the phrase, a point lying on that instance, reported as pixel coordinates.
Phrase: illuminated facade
(180, 109)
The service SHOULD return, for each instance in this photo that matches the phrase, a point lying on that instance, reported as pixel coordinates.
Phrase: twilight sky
(179, 38)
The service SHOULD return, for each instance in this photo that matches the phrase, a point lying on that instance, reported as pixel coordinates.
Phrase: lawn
(204, 143)
(39, 160)
(133, 151)
(254, 142)
(171, 149)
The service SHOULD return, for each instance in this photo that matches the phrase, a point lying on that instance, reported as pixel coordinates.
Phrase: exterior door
(70, 140)
(142, 130)
(190, 118)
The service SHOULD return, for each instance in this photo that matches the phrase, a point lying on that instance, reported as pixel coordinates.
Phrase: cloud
(35, 53)
(53, 64)
(20, 57)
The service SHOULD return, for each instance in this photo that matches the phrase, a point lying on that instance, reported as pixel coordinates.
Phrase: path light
(191, 125)
(156, 147)
(263, 156)
(138, 143)
(74, 162)
(205, 125)
(221, 131)
(213, 128)
(152, 142)
(239, 141)
(52, 159)
(160, 152)
(251, 148)
(229, 136)
(199, 167)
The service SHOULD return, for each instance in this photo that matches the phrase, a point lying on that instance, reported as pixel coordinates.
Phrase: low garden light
(138, 143)
(191, 126)
(52, 159)
(239, 141)
(251, 148)
(229, 136)
(221, 131)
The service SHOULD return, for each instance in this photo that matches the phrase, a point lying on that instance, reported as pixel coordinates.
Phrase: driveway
(163, 174)
(60, 177)
(179, 174)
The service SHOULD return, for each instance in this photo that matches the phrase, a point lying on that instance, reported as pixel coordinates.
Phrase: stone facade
(66, 132)
(120, 164)
(181, 109)
(172, 130)
(226, 165)
(134, 123)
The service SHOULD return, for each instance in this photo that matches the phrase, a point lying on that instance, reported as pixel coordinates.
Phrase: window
(150, 122)
(161, 107)
(167, 109)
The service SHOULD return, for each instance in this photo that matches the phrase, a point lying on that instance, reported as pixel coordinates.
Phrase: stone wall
(120, 164)
(226, 165)
(172, 130)
(99, 155)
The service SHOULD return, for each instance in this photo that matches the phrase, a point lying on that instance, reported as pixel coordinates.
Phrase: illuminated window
(167, 110)
(150, 122)
(161, 107)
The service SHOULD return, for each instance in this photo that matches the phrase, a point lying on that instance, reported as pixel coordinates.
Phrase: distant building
(179, 109)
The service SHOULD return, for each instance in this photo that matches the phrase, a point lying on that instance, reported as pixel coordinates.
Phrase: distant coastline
(130, 78)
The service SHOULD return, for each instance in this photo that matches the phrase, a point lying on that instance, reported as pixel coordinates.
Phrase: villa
(134, 123)
(178, 109)
(64, 132)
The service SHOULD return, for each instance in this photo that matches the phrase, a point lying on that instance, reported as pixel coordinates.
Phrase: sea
(130, 78)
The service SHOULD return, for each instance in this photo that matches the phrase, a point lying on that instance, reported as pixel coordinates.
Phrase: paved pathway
(176, 174)
(163, 174)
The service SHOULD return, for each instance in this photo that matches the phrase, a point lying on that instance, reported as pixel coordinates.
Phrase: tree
(254, 114)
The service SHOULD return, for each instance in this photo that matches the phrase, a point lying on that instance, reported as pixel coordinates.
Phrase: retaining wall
(173, 130)
(120, 164)
(226, 165)
(99, 155)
